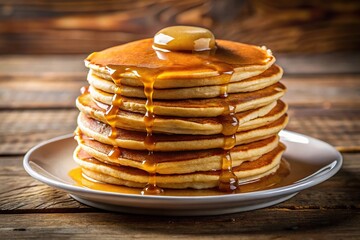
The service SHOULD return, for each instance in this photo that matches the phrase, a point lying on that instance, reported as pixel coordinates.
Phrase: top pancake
(183, 69)
(265, 79)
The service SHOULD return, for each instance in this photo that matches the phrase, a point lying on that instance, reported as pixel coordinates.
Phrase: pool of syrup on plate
(267, 182)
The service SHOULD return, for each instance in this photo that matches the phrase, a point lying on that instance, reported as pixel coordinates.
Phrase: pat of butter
(184, 38)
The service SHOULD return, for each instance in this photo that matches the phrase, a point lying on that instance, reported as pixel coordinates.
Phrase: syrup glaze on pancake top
(177, 57)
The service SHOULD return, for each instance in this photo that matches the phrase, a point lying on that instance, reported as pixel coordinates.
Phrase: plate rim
(300, 185)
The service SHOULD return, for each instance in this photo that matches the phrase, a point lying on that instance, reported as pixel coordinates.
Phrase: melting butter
(184, 38)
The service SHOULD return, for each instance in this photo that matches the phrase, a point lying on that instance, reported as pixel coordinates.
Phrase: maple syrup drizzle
(150, 163)
(271, 181)
(111, 114)
(148, 77)
(78, 133)
(84, 90)
(228, 181)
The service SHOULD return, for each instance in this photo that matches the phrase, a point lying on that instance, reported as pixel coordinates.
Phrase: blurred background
(84, 26)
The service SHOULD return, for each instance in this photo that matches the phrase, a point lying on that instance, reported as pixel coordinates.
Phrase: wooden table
(37, 96)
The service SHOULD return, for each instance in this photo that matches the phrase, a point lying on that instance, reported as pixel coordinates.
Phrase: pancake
(178, 162)
(197, 107)
(181, 110)
(265, 79)
(176, 125)
(253, 61)
(247, 171)
(135, 140)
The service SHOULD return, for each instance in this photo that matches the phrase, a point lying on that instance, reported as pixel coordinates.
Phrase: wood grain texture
(339, 127)
(86, 26)
(21, 130)
(324, 91)
(262, 224)
(19, 193)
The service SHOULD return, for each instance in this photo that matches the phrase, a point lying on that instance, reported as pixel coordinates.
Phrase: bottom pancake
(270, 181)
(132, 177)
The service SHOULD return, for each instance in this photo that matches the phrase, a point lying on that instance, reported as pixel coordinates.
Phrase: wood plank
(20, 193)
(42, 65)
(261, 224)
(21, 130)
(339, 127)
(25, 93)
(340, 62)
(326, 91)
(86, 26)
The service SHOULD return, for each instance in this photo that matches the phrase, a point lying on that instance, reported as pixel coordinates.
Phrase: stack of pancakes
(180, 119)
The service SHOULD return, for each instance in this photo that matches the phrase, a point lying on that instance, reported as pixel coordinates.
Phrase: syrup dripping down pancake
(197, 107)
(266, 182)
(246, 60)
(164, 142)
(175, 125)
(178, 162)
(265, 79)
(247, 171)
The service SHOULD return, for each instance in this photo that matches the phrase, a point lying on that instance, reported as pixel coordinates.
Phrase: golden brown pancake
(246, 60)
(135, 140)
(265, 79)
(178, 162)
(197, 107)
(247, 171)
(176, 125)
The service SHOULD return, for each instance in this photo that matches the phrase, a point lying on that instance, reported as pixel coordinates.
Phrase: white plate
(312, 162)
